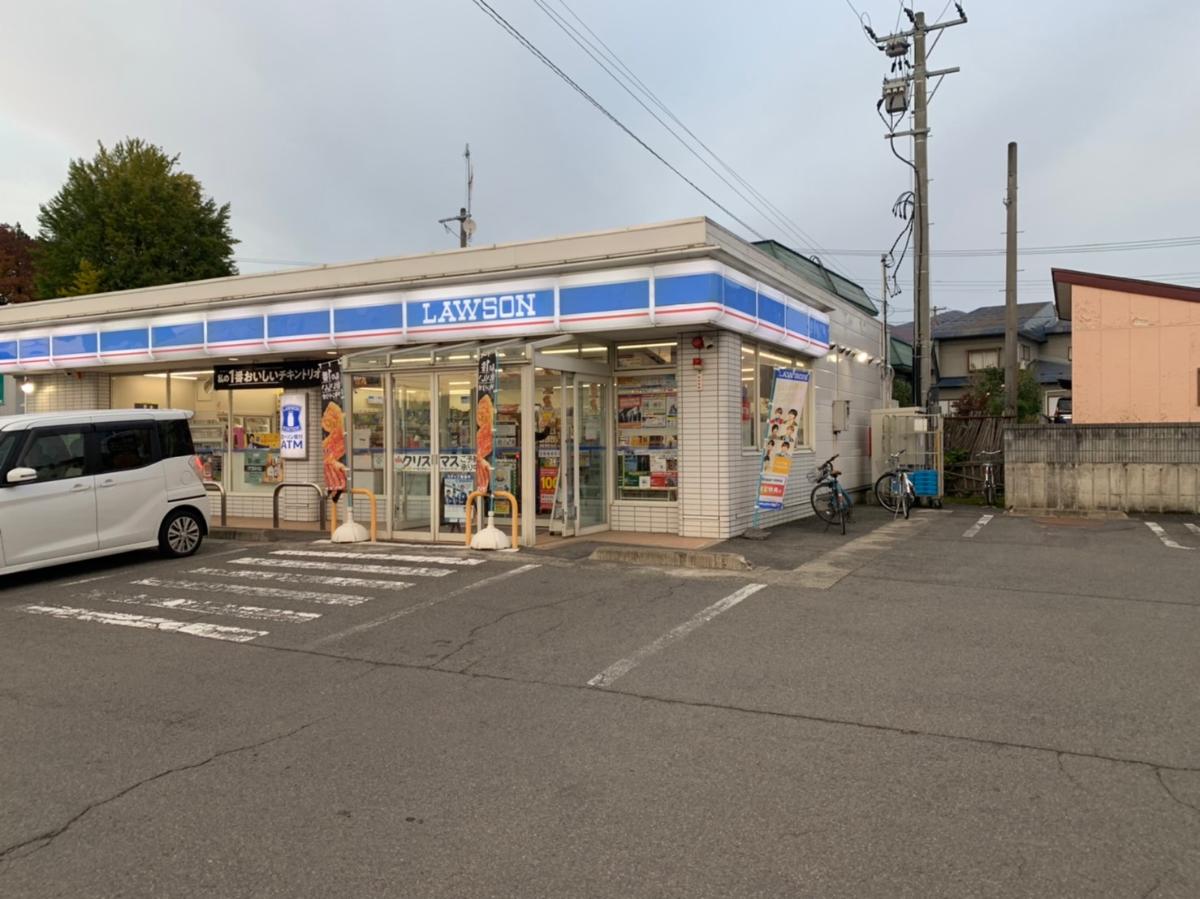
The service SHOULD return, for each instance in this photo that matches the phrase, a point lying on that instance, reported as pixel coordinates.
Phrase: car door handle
(79, 488)
(107, 483)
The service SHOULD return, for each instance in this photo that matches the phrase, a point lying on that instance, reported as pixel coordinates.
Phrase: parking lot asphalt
(942, 707)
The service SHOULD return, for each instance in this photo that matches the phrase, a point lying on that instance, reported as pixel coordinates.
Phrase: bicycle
(894, 489)
(829, 498)
(990, 490)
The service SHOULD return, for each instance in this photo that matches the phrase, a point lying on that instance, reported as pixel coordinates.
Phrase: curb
(261, 535)
(671, 558)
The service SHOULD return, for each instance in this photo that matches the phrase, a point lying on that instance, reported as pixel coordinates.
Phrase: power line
(1163, 243)
(773, 214)
(528, 45)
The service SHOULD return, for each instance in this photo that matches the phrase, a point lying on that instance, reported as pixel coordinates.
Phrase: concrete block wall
(67, 392)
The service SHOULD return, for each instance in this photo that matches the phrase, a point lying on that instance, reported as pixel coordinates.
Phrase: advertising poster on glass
(333, 428)
(485, 417)
(788, 396)
(456, 486)
(293, 415)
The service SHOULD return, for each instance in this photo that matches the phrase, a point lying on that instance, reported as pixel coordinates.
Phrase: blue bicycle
(829, 499)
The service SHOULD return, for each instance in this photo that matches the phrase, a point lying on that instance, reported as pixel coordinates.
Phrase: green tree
(902, 392)
(985, 395)
(16, 265)
(130, 218)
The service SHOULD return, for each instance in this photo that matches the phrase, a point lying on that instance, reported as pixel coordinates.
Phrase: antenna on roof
(466, 224)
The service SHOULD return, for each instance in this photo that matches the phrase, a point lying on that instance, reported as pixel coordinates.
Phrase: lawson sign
(697, 293)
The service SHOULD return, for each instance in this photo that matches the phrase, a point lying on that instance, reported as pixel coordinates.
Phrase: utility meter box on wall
(841, 415)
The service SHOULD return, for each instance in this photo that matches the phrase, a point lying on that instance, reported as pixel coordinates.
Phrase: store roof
(817, 274)
(639, 245)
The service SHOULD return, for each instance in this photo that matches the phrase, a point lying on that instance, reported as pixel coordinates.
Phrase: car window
(55, 455)
(8, 441)
(125, 446)
(175, 438)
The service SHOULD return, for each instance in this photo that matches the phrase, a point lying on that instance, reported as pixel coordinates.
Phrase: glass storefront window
(647, 437)
(456, 446)
(750, 398)
(507, 439)
(367, 446)
(652, 354)
(256, 466)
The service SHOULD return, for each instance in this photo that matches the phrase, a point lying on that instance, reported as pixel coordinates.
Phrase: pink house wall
(1135, 358)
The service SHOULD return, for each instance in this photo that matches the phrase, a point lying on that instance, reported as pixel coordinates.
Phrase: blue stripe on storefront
(387, 317)
(743, 299)
(772, 312)
(126, 341)
(298, 324)
(166, 336)
(9, 351)
(599, 298)
(819, 331)
(682, 290)
(236, 330)
(35, 347)
(74, 345)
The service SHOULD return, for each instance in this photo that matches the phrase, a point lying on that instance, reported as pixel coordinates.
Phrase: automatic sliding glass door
(412, 456)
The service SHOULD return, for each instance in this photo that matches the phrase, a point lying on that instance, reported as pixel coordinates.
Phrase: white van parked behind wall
(77, 485)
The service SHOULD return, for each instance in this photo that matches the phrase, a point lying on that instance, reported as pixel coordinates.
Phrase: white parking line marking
(1162, 535)
(124, 619)
(286, 578)
(391, 557)
(86, 580)
(619, 669)
(329, 599)
(978, 526)
(205, 607)
(330, 566)
(1194, 528)
(366, 626)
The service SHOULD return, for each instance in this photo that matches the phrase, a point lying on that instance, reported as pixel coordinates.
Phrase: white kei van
(76, 485)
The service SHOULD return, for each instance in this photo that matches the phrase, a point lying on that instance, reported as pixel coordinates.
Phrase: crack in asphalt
(1068, 775)
(1158, 772)
(745, 710)
(46, 838)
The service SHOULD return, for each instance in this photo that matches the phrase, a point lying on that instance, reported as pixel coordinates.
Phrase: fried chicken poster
(485, 414)
(333, 426)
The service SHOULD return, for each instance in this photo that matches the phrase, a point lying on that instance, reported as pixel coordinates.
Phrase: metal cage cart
(919, 435)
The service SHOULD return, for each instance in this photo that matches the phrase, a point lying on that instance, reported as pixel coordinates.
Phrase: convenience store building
(636, 369)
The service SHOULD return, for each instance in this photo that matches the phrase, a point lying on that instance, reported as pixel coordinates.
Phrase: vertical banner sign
(293, 417)
(485, 415)
(786, 414)
(333, 426)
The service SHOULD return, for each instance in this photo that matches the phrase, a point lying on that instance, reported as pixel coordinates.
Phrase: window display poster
(456, 487)
(547, 481)
(503, 481)
(629, 411)
(788, 397)
(262, 467)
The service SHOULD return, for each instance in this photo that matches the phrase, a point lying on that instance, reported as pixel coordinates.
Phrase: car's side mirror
(21, 475)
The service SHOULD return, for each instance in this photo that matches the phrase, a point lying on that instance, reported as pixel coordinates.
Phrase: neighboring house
(972, 341)
(1137, 354)
(900, 353)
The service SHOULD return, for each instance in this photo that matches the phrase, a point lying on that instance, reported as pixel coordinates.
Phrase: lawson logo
(473, 309)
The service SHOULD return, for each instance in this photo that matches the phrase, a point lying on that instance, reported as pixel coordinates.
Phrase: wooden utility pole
(1012, 372)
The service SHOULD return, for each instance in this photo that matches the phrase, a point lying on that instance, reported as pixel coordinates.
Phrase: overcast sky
(336, 130)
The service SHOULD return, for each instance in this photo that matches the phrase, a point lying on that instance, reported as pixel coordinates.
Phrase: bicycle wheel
(989, 493)
(824, 503)
(907, 497)
(887, 491)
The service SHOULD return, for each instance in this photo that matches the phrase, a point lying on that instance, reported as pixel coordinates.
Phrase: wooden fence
(964, 437)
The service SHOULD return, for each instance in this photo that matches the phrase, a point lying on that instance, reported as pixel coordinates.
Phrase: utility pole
(1011, 371)
(895, 100)
(466, 224)
(885, 349)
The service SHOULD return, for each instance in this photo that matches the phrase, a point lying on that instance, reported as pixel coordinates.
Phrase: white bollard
(490, 537)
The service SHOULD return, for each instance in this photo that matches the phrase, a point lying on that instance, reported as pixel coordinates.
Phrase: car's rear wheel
(180, 534)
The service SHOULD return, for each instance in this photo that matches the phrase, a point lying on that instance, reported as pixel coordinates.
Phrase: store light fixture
(27, 387)
(775, 358)
(645, 346)
(863, 357)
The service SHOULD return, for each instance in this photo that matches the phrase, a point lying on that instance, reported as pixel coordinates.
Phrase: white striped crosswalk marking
(205, 607)
(124, 619)
(322, 579)
(1162, 535)
(390, 557)
(329, 599)
(330, 566)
